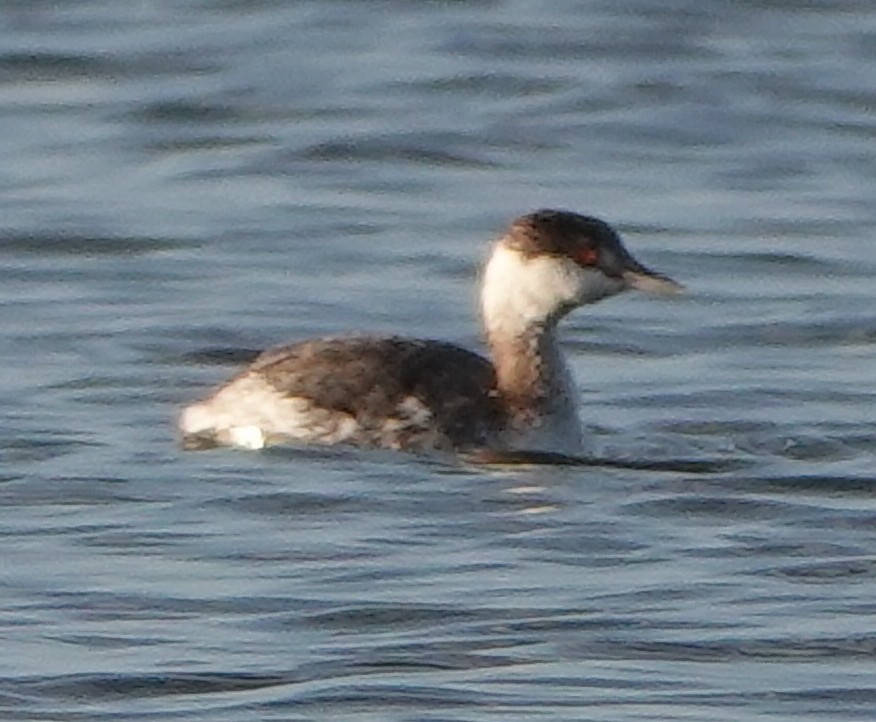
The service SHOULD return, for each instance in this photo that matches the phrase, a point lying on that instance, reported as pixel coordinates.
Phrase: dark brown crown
(560, 233)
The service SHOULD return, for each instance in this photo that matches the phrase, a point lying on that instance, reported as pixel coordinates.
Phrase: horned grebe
(425, 395)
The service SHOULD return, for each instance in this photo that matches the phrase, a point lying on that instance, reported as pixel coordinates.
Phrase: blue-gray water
(178, 178)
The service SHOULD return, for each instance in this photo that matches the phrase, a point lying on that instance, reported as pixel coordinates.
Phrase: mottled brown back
(369, 377)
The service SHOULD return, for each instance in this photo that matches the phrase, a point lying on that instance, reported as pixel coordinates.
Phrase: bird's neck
(522, 300)
(531, 376)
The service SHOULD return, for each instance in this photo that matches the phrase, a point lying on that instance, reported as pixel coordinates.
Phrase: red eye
(587, 257)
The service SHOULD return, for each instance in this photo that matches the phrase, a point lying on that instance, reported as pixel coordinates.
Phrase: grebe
(423, 395)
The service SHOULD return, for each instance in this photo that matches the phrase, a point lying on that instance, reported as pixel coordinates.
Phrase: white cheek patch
(520, 291)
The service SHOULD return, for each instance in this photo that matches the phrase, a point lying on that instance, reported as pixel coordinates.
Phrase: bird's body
(376, 392)
(423, 395)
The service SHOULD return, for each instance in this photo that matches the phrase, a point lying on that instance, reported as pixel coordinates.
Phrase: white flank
(249, 412)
